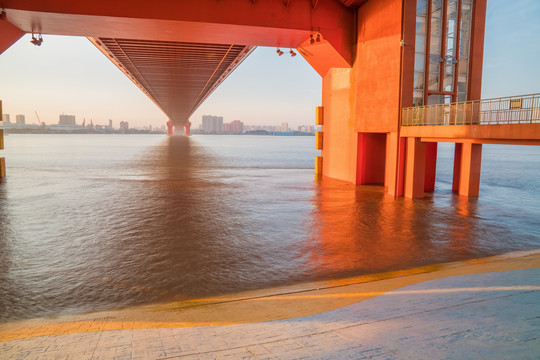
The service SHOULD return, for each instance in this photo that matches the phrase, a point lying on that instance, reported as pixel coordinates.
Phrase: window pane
(436, 26)
(450, 27)
(435, 45)
(465, 29)
(463, 66)
(450, 49)
(419, 62)
(448, 83)
(449, 69)
(462, 84)
(419, 80)
(466, 11)
(418, 98)
(421, 25)
(435, 99)
(436, 7)
(433, 83)
(451, 9)
(461, 97)
(420, 44)
(434, 67)
(421, 7)
(464, 48)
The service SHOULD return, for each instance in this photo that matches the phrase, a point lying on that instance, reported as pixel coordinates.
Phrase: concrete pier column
(457, 167)
(431, 166)
(170, 128)
(187, 128)
(395, 164)
(470, 163)
(415, 168)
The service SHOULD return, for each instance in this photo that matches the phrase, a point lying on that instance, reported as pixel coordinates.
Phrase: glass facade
(442, 47)
(420, 52)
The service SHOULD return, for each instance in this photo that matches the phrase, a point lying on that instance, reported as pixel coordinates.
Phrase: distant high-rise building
(212, 124)
(237, 126)
(66, 119)
(110, 124)
(124, 126)
(20, 119)
(284, 127)
(6, 119)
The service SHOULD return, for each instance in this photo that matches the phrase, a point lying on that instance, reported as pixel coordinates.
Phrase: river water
(93, 222)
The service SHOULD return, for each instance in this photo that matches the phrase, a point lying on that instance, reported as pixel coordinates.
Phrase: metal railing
(523, 109)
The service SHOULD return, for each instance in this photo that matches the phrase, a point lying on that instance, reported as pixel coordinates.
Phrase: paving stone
(472, 316)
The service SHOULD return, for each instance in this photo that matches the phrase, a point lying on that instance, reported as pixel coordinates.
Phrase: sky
(69, 75)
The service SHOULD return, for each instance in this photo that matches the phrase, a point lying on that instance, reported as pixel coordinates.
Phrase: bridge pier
(431, 166)
(170, 128)
(178, 129)
(415, 170)
(467, 166)
(395, 164)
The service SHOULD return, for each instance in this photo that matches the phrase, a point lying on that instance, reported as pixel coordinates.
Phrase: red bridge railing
(523, 109)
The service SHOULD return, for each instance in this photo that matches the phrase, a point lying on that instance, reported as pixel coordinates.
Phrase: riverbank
(272, 304)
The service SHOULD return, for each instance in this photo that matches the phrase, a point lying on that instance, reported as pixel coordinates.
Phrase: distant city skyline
(69, 75)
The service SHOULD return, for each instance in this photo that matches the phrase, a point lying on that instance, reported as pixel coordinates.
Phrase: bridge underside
(177, 76)
(177, 53)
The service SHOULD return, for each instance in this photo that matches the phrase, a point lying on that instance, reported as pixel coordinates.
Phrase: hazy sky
(69, 75)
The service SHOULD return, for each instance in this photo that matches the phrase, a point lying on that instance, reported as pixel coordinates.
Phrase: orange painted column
(187, 128)
(431, 166)
(457, 167)
(415, 168)
(395, 164)
(469, 174)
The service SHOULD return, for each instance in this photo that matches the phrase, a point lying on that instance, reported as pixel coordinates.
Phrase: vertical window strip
(420, 52)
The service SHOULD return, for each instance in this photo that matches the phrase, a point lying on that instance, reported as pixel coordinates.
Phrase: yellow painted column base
(2, 167)
(318, 166)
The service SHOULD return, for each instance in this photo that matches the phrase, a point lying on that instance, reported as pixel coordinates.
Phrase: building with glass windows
(407, 53)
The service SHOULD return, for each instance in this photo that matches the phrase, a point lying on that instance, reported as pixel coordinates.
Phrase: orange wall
(371, 101)
(339, 144)
(377, 66)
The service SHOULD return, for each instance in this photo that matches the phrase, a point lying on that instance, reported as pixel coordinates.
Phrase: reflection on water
(97, 222)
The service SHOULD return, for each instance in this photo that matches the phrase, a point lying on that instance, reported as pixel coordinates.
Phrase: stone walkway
(481, 316)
